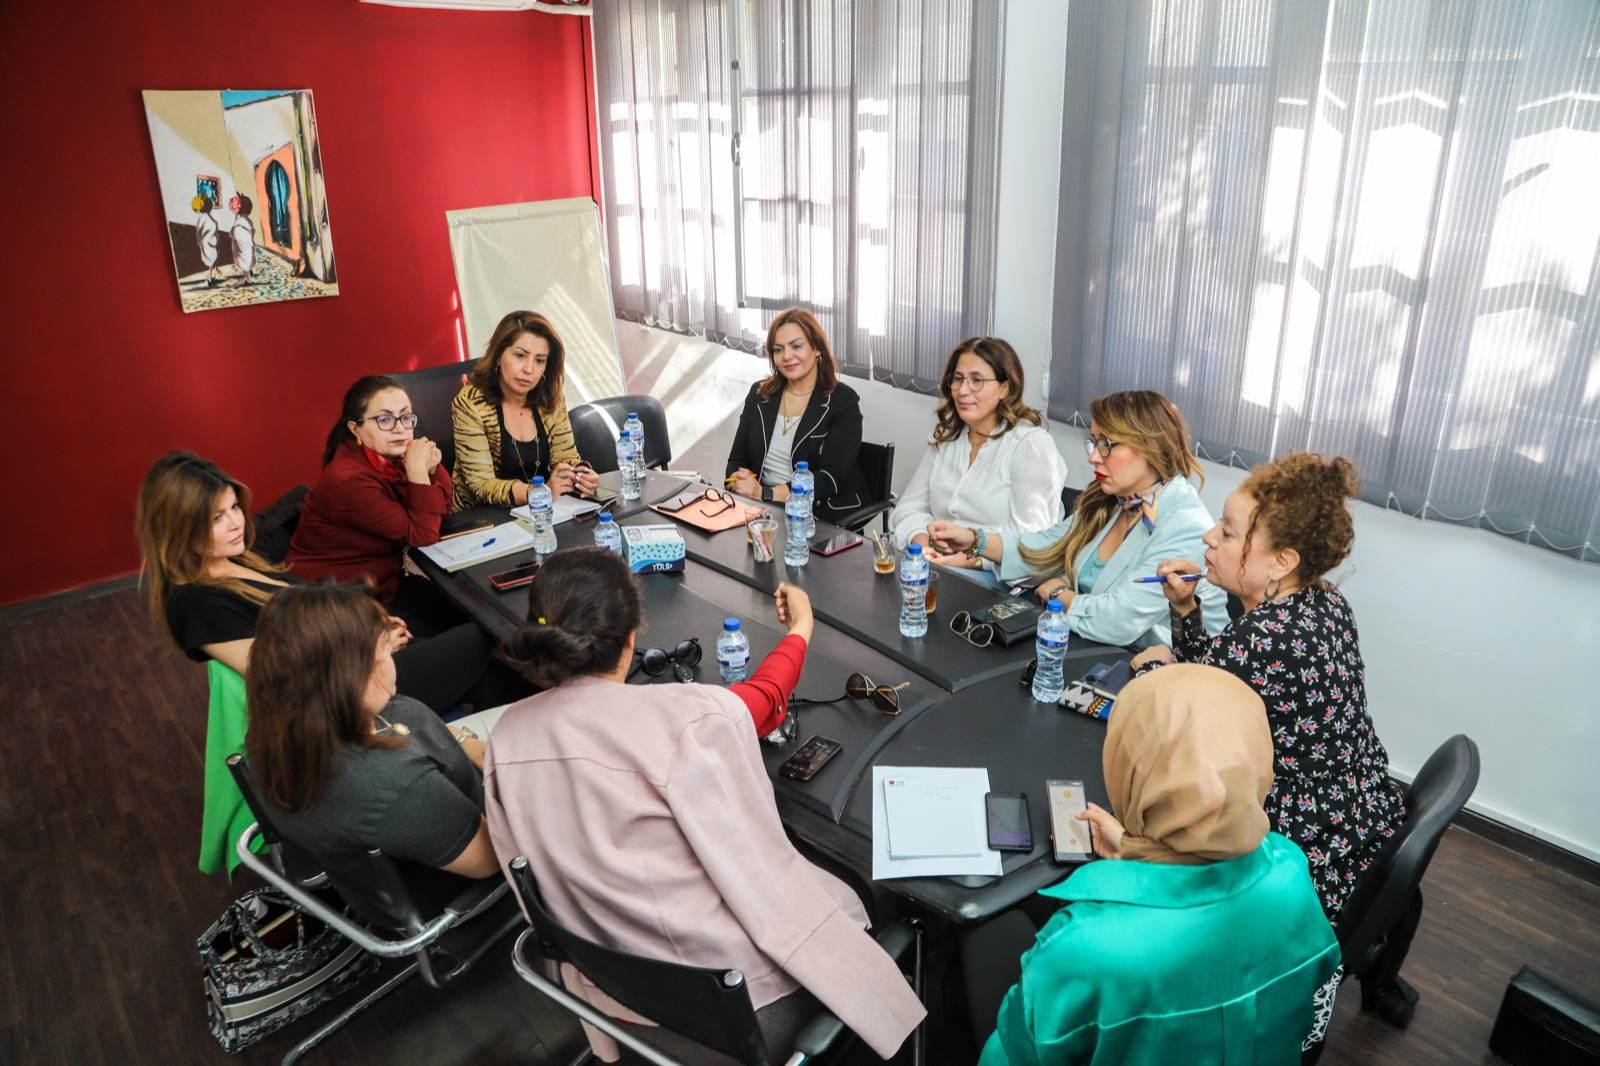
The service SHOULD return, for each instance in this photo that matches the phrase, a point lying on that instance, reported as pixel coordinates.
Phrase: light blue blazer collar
(1132, 546)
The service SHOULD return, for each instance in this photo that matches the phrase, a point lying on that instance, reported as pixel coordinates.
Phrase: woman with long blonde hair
(1140, 510)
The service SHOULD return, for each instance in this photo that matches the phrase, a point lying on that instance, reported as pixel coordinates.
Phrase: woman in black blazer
(801, 413)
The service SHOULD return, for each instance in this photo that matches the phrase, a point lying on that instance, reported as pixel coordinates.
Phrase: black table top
(969, 710)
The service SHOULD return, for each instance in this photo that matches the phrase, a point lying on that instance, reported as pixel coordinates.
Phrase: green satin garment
(1154, 963)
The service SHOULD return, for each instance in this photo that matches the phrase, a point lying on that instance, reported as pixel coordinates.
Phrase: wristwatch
(766, 493)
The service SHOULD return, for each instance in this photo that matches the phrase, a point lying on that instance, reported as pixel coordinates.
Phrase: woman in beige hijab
(1199, 936)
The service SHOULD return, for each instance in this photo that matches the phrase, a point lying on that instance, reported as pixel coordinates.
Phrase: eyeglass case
(653, 549)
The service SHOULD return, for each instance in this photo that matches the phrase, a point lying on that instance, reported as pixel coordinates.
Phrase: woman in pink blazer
(648, 819)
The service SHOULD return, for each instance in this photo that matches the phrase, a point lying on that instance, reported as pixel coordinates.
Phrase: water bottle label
(1050, 643)
(913, 582)
(734, 659)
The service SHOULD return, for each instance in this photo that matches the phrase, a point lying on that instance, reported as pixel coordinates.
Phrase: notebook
(563, 509)
(930, 819)
(459, 553)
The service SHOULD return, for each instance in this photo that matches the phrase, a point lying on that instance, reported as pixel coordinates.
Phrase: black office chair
(876, 463)
(439, 948)
(432, 390)
(276, 525)
(1388, 888)
(709, 1007)
(1069, 496)
(596, 426)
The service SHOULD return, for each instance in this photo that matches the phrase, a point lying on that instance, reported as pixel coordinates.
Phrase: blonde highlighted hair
(1151, 425)
(176, 502)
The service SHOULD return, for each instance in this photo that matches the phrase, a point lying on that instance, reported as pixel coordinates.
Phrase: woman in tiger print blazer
(510, 421)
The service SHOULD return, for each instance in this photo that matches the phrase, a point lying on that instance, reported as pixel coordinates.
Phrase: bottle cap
(633, 414)
(538, 480)
(915, 549)
(1054, 605)
(605, 516)
(802, 465)
(730, 624)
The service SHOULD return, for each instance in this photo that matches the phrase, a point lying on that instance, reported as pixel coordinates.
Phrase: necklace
(516, 446)
(399, 729)
(790, 420)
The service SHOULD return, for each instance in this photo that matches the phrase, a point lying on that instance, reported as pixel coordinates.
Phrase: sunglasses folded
(978, 634)
(681, 660)
(859, 686)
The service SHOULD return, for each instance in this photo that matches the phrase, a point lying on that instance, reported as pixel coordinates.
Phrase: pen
(1159, 580)
(486, 543)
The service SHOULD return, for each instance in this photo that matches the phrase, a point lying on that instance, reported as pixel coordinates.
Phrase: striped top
(476, 425)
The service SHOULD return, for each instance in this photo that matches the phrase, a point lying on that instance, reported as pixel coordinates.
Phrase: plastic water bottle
(803, 492)
(1051, 648)
(913, 593)
(607, 535)
(628, 467)
(541, 506)
(799, 526)
(733, 652)
(635, 429)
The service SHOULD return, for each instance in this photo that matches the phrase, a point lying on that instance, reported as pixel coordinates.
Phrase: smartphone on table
(1069, 836)
(514, 578)
(813, 755)
(1006, 814)
(835, 544)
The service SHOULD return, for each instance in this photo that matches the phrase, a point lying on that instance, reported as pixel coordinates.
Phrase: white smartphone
(1069, 836)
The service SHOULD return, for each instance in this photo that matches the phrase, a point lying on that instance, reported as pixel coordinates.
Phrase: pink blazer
(648, 819)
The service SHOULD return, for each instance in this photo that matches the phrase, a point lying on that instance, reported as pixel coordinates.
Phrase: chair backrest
(596, 426)
(377, 894)
(275, 526)
(876, 463)
(432, 390)
(710, 1007)
(1069, 496)
(1441, 788)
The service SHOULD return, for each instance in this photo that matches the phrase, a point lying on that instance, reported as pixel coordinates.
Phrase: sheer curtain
(869, 150)
(1370, 228)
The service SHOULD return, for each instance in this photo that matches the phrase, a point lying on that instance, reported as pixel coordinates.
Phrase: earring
(1273, 588)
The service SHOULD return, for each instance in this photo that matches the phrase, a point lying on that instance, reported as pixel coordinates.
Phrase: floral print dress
(1331, 791)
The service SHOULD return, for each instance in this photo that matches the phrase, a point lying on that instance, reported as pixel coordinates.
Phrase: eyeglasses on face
(1101, 446)
(978, 634)
(387, 421)
(682, 659)
(976, 382)
(859, 686)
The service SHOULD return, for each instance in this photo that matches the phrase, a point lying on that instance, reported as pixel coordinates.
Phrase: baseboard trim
(14, 611)
(1529, 846)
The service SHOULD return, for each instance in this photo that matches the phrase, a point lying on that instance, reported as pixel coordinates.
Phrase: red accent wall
(419, 112)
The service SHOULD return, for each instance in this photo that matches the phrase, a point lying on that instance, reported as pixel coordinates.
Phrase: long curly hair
(1151, 425)
(1007, 370)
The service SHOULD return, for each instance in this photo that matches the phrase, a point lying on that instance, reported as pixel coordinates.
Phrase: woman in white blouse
(990, 463)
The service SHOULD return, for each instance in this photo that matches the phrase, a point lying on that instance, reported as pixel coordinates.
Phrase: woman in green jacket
(1200, 938)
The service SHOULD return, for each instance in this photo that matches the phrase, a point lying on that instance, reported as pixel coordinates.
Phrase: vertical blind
(870, 153)
(1369, 228)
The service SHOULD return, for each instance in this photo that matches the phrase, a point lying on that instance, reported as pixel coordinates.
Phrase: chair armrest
(359, 935)
(818, 1035)
(478, 897)
(862, 515)
(896, 940)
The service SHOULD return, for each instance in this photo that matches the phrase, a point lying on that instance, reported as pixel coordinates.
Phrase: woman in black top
(208, 586)
(800, 413)
(345, 764)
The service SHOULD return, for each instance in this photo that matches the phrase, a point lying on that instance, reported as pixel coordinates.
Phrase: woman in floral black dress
(1284, 528)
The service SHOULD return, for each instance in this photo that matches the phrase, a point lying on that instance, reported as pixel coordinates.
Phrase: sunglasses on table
(978, 634)
(861, 687)
(681, 659)
(721, 502)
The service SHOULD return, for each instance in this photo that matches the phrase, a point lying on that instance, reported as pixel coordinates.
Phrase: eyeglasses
(976, 382)
(1099, 445)
(387, 421)
(684, 658)
(717, 496)
(978, 634)
(860, 687)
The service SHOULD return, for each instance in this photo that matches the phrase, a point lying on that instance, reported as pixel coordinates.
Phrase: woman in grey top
(344, 765)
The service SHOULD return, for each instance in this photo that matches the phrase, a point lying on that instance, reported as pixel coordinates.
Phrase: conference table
(963, 705)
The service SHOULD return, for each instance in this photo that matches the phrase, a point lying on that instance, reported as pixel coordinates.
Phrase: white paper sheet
(959, 790)
(563, 508)
(461, 552)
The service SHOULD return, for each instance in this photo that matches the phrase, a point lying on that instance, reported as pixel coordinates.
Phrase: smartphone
(514, 578)
(680, 501)
(1111, 681)
(1009, 826)
(1068, 836)
(835, 544)
(813, 755)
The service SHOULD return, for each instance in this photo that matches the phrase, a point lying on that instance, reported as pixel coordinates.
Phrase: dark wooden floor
(100, 901)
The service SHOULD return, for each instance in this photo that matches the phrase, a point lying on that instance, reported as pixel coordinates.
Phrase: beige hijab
(1188, 763)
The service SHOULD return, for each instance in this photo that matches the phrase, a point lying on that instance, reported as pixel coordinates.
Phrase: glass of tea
(883, 557)
(933, 588)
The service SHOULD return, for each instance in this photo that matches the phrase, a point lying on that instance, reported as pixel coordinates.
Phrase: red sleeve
(767, 691)
(413, 519)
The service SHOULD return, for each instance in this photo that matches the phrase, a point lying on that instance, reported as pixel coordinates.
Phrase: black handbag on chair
(267, 963)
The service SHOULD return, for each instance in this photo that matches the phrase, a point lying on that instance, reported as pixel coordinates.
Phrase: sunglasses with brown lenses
(861, 687)
(978, 634)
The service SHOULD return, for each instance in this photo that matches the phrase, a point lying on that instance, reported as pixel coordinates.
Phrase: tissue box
(653, 549)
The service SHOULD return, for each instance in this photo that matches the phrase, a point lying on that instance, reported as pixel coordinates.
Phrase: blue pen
(1159, 580)
(486, 543)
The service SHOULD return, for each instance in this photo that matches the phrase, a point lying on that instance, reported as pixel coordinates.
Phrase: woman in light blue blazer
(1139, 509)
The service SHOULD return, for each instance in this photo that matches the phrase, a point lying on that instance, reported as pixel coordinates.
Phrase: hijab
(1188, 763)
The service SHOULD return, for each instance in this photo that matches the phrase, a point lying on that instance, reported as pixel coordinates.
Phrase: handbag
(1014, 620)
(266, 963)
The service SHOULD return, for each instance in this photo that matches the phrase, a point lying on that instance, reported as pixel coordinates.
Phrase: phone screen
(813, 755)
(837, 543)
(1007, 815)
(515, 577)
(1071, 836)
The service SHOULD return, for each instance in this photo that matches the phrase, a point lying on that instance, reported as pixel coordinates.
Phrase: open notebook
(458, 553)
(565, 509)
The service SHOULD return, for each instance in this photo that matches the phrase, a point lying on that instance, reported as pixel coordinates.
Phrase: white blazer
(1116, 610)
(1013, 486)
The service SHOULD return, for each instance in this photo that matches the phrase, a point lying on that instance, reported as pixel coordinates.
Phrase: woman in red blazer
(382, 490)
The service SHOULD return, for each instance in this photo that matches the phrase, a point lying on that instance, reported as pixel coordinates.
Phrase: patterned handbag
(267, 963)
